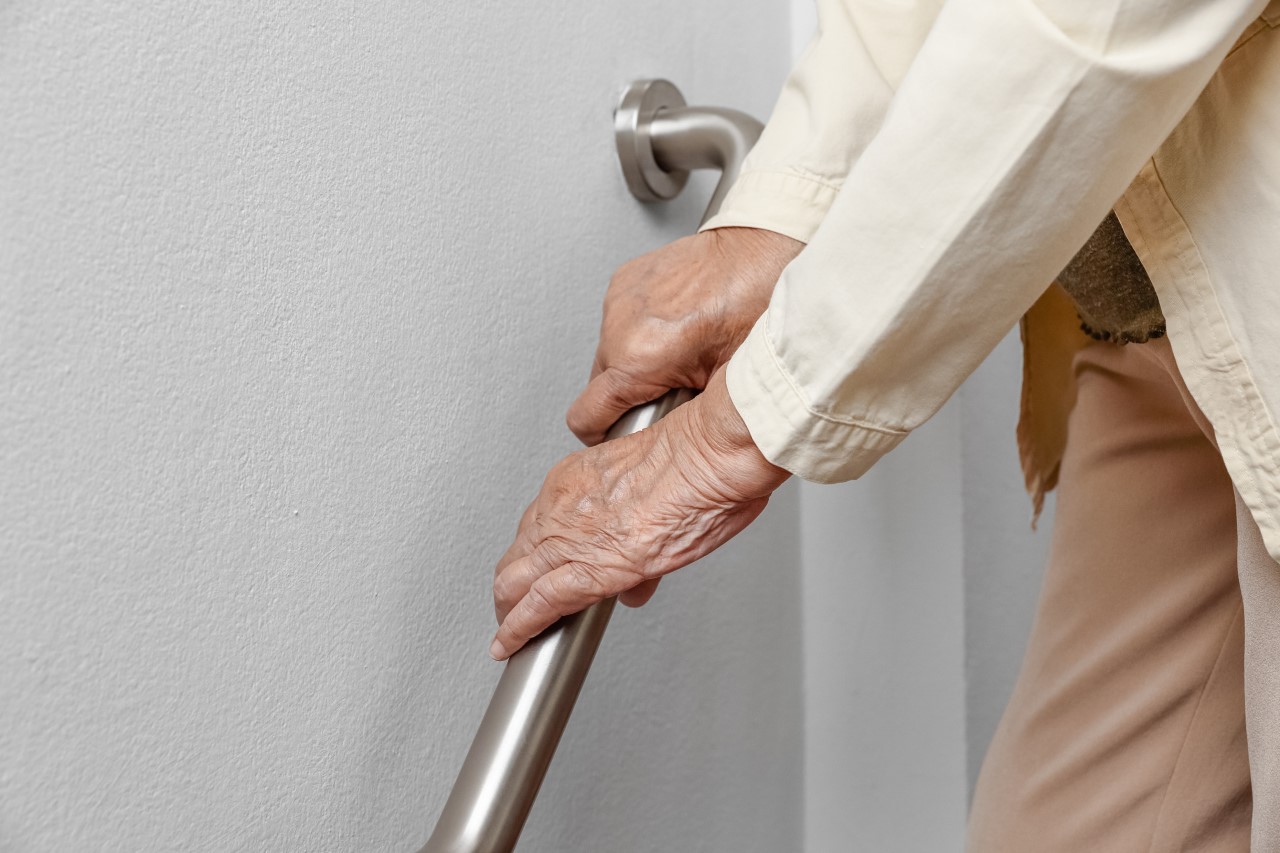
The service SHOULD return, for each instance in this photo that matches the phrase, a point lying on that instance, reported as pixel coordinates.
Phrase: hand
(674, 316)
(613, 518)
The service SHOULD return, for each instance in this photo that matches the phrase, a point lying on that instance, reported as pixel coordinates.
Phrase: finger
(607, 397)
(522, 543)
(638, 596)
(514, 584)
(568, 589)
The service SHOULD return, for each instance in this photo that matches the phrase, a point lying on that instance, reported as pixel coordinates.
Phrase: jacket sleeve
(1016, 127)
(830, 107)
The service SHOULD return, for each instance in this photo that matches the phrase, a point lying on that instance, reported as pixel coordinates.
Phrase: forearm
(1017, 127)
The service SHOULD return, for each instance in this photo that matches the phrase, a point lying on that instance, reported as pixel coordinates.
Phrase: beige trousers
(1126, 731)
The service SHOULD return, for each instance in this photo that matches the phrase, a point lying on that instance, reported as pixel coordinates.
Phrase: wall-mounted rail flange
(660, 140)
(641, 103)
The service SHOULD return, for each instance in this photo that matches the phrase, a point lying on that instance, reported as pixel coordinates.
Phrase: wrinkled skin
(674, 316)
(613, 518)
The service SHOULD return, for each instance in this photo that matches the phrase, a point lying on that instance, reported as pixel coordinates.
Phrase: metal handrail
(659, 141)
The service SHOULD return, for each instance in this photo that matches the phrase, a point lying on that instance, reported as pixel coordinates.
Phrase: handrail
(659, 141)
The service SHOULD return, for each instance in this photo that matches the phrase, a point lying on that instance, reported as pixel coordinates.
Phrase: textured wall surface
(884, 652)
(920, 583)
(292, 297)
(1003, 556)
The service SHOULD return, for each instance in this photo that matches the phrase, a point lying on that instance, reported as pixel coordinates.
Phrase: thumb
(607, 397)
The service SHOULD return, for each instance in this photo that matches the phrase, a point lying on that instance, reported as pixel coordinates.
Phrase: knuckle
(631, 388)
(544, 560)
(649, 348)
(501, 589)
(579, 419)
(507, 635)
(588, 580)
(616, 380)
(542, 597)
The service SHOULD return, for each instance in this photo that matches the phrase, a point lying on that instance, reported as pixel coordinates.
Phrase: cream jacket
(944, 161)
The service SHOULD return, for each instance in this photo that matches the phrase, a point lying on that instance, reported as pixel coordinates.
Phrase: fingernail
(496, 651)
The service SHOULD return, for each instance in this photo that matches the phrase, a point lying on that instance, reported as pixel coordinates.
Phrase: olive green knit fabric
(1112, 292)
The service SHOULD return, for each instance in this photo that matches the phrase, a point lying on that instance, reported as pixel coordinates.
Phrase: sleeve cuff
(812, 445)
(789, 203)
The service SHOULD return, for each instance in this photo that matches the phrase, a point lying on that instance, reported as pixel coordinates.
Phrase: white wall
(884, 652)
(291, 300)
(1003, 557)
(920, 582)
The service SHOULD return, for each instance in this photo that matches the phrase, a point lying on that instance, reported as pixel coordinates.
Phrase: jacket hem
(1206, 351)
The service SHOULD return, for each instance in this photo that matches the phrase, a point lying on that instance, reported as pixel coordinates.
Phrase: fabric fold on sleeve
(792, 205)
(1018, 125)
(828, 111)
(787, 430)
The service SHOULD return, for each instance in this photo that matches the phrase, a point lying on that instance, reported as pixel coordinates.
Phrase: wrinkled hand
(615, 517)
(674, 316)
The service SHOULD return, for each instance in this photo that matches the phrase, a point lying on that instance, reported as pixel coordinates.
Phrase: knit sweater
(1112, 292)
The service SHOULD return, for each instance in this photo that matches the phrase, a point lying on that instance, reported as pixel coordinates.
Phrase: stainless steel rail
(659, 141)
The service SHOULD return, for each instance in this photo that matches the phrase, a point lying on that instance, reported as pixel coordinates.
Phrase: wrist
(720, 435)
(764, 247)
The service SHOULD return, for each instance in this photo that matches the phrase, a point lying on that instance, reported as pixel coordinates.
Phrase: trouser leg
(1260, 585)
(1125, 731)
(1259, 578)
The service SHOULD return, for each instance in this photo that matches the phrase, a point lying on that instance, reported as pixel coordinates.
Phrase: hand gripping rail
(659, 141)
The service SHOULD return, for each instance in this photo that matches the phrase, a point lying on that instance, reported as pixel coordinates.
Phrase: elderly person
(926, 174)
